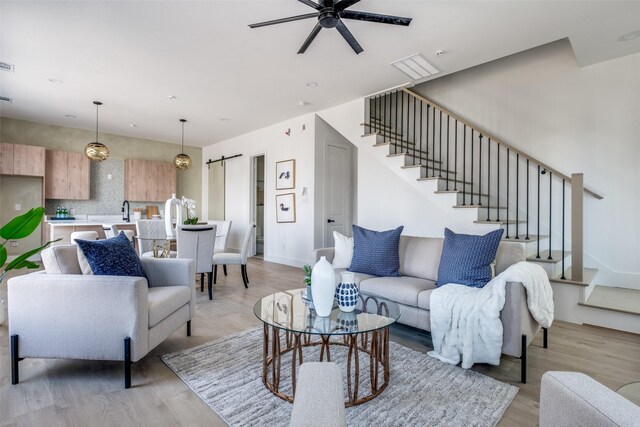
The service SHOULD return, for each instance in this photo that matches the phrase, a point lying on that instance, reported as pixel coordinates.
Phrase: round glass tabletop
(291, 312)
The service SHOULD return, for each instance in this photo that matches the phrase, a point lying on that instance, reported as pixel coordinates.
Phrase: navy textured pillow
(466, 259)
(376, 252)
(112, 257)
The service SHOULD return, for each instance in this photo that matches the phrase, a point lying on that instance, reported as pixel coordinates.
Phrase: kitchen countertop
(106, 221)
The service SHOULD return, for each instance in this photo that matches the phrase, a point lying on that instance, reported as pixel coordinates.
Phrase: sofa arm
(573, 398)
(316, 254)
(78, 316)
(516, 320)
(172, 272)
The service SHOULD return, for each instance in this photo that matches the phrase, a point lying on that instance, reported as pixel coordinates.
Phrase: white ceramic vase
(323, 287)
(347, 292)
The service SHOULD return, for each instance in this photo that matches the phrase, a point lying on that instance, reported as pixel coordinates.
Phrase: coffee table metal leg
(325, 347)
(297, 350)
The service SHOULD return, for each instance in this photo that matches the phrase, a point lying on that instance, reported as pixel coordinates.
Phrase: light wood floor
(86, 393)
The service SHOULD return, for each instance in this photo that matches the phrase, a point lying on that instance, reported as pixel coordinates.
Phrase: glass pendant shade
(96, 151)
(182, 161)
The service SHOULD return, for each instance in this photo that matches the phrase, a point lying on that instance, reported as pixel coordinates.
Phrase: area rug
(226, 375)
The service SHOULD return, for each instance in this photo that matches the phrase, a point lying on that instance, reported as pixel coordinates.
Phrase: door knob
(330, 221)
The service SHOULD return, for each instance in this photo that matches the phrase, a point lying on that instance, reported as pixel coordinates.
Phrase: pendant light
(182, 161)
(96, 151)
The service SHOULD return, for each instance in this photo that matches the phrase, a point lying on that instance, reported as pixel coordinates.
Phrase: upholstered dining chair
(148, 230)
(196, 242)
(224, 228)
(233, 258)
(83, 235)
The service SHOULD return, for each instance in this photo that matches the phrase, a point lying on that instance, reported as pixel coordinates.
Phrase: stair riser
(553, 269)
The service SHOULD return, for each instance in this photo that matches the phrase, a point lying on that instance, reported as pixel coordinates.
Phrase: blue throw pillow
(112, 257)
(466, 259)
(376, 252)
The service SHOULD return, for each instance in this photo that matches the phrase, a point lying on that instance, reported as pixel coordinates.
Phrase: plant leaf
(26, 264)
(23, 225)
(18, 262)
(3, 255)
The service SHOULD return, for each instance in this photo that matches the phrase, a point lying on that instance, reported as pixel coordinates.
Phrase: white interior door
(338, 191)
(216, 191)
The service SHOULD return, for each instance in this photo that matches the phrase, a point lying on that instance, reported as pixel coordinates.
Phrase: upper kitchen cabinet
(18, 159)
(67, 176)
(148, 180)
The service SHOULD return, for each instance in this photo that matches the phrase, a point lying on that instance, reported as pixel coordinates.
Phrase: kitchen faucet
(125, 217)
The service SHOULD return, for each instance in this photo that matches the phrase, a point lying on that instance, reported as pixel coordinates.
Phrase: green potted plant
(307, 281)
(16, 229)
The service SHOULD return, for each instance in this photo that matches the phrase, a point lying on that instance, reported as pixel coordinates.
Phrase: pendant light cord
(97, 107)
(182, 151)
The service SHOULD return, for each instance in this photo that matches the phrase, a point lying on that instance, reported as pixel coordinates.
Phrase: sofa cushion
(466, 259)
(164, 300)
(424, 299)
(358, 276)
(403, 290)
(420, 256)
(376, 252)
(110, 257)
(61, 259)
(343, 250)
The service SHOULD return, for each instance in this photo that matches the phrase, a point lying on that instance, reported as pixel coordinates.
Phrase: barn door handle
(331, 220)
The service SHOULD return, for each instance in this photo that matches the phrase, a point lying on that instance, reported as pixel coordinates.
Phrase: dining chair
(196, 242)
(148, 231)
(83, 235)
(115, 230)
(233, 258)
(224, 228)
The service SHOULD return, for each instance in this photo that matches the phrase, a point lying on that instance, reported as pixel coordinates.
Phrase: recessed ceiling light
(56, 81)
(303, 103)
(312, 84)
(70, 116)
(225, 120)
(172, 97)
(440, 52)
(630, 36)
(415, 66)
(133, 125)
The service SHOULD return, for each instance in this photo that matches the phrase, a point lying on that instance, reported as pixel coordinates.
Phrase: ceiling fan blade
(342, 29)
(312, 4)
(310, 38)
(343, 4)
(283, 20)
(374, 17)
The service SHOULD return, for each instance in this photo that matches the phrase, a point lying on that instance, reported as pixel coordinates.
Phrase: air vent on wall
(5, 66)
(6, 99)
(415, 66)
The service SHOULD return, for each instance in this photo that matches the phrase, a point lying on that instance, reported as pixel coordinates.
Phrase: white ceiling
(132, 55)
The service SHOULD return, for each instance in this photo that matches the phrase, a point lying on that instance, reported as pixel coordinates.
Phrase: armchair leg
(215, 274)
(224, 269)
(188, 328)
(15, 377)
(243, 270)
(545, 337)
(210, 286)
(127, 362)
(523, 361)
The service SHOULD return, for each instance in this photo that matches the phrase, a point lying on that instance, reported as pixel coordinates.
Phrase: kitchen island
(62, 228)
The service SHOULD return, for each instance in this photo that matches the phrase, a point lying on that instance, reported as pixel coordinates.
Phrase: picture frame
(286, 174)
(286, 207)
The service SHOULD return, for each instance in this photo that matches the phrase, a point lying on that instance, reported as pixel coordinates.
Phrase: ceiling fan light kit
(182, 161)
(96, 151)
(330, 14)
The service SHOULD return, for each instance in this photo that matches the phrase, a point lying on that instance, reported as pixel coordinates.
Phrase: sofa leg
(209, 278)
(224, 269)
(188, 328)
(523, 361)
(545, 337)
(127, 362)
(15, 377)
(215, 274)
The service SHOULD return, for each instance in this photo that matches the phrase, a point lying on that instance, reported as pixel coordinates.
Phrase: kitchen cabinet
(148, 180)
(19, 159)
(67, 176)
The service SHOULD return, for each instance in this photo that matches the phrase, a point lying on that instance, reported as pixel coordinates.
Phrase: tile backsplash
(106, 195)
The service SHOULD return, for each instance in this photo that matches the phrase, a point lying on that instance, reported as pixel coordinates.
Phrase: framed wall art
(286, 175)
(286, 207)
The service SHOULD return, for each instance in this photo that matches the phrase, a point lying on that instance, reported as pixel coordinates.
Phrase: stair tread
(459, 191)
(493, 221)
(588, 274)
(475, 206)
(431, 168)
(523, 238)
(617, 299)
(405, 154)
(544, 256)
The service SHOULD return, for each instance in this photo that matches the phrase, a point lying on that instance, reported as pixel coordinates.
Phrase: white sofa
(419, 262)
(75, 316)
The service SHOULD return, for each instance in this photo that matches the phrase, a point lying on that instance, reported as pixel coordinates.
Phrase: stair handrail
(498, 140)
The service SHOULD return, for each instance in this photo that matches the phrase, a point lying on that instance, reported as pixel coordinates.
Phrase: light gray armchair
(90, 317)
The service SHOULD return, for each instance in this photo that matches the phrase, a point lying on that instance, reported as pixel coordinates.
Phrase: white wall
(286, 243)
(575, 119)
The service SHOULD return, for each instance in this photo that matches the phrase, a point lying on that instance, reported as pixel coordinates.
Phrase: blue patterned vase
(347, 292)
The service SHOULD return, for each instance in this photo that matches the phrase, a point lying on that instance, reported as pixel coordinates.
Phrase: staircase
(493, 185)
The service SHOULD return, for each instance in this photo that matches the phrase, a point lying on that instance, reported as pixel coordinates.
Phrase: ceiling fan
(330, 14)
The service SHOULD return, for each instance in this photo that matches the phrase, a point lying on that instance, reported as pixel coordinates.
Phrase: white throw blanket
(465, 321)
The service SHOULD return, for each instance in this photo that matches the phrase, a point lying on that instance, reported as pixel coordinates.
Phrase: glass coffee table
(291, 326)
